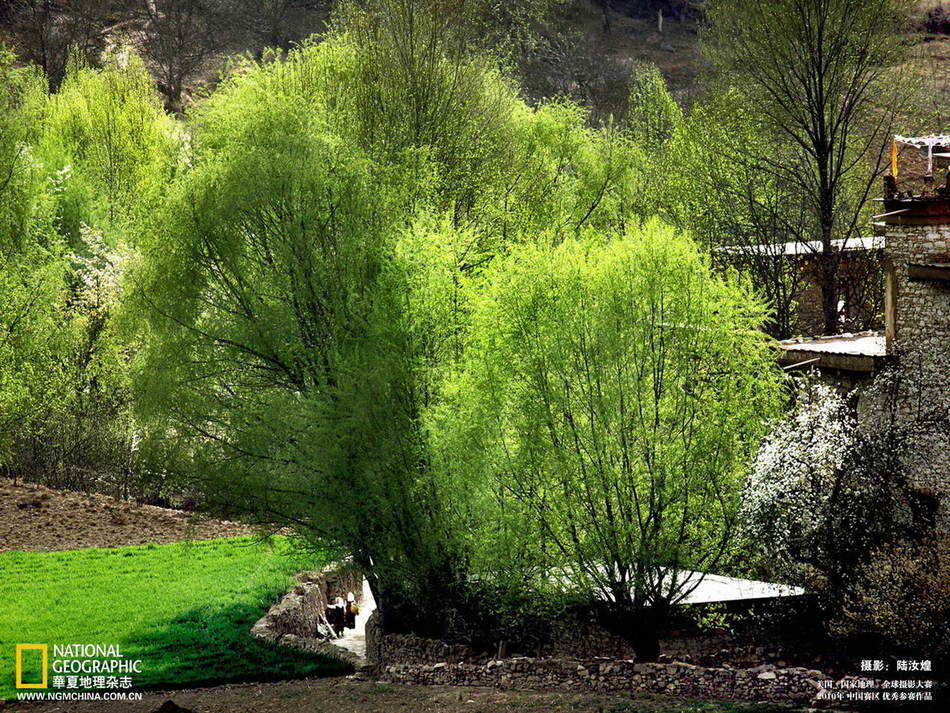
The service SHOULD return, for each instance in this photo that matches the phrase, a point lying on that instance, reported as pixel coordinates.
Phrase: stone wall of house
(762, 683)
(922, 308)
(861, 281)
(921, 343)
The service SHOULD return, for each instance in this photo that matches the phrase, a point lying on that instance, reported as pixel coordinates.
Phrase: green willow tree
(652, 114)
(34, 324)
(300, 294)
(103, 150)
(109, 142)
(617, 391)
(279, 351)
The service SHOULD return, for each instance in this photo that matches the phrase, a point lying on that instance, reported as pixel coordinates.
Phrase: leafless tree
(178, 38)
(606, 7)
(46, 31)
(279, 23)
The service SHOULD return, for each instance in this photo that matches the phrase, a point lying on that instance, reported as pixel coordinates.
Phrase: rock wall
(293, 621)
(413, 659)
(922, 308)
(580, 642)
(764, 683)
(409, 648)
(861, 284)
(298, 611)
(920, 337)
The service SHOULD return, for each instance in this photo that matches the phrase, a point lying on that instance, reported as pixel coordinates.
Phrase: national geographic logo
(74, 666)
(43, 651)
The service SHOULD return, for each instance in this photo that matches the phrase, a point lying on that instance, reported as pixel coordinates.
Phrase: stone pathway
(354, 640)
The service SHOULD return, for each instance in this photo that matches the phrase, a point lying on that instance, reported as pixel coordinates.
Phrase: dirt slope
(33, 517)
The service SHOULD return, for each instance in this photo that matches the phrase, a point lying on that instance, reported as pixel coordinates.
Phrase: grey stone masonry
(763, 683)
(921, 307)
(918, 332)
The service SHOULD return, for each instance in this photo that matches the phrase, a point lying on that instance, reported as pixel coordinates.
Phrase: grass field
(183, 609)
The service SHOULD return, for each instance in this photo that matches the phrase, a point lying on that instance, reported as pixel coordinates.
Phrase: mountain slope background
(584, 49)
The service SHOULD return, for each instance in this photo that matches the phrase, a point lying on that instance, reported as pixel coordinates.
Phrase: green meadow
(183, 609)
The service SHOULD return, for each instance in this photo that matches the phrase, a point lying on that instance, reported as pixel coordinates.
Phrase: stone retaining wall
(763, 683)
(583, 641)
(412, 659)
(293, 620)
(408, 648)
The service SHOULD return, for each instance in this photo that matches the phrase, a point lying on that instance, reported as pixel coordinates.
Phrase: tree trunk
(605, 15)
(640, 627)
(829, 279)
(829, 297)
(645, 636)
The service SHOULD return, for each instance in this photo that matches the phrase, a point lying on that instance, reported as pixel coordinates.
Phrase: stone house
(914, 235)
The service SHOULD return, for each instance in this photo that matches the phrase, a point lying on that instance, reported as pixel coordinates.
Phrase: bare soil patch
(34, 517)
(341, 695)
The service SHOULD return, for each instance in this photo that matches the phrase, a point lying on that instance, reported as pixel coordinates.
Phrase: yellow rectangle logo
(44, 652)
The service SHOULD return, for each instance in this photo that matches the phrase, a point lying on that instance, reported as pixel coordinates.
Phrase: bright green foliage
(279, 350)
(497, 168)
(184, 609)
(300, 336)
(421, 86)
(34, 326)
(718, 185)
(618, 389)
(565, 178)
(79, 168)
(652, 114)
(109, 143)
(98, 155)
(308, 295)
(359, 270)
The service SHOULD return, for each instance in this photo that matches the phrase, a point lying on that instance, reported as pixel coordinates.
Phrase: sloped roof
(861, 352)
(870, 344)
(811, 247)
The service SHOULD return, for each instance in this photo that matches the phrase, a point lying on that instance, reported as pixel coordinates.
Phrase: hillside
(586, 48)
(36, 518)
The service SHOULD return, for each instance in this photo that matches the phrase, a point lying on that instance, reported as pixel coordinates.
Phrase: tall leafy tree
(34, 325)
(717, 184)
(280, 351)
(618, 390)
(822, 79)
(100, 151)
(652, 114)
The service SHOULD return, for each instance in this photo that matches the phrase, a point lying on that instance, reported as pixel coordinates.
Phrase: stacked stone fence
(763, 683)
(573, 662)
(406, 658)
(585, 640)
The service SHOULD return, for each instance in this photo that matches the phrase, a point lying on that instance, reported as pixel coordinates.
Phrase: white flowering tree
(815, 502)
(837, 504)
